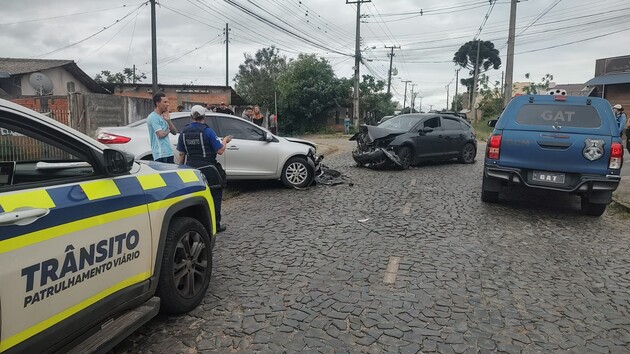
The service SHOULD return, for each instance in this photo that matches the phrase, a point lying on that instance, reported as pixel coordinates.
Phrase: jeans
(168, 159)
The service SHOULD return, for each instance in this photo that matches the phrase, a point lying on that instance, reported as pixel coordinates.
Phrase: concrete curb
(622, 195)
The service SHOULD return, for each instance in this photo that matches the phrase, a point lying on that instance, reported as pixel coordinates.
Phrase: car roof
(182, 115)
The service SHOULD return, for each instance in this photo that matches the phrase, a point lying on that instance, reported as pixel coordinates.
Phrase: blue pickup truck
(555, 142)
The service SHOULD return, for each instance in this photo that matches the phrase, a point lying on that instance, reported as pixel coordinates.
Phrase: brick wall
(56, 107)
(619, 94)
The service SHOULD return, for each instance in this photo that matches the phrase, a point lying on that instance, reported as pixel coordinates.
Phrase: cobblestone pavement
(307, 271)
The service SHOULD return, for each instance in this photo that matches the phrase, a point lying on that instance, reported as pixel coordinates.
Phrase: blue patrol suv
(555, 142)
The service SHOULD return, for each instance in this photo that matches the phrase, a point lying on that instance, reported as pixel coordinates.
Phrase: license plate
(549, 177)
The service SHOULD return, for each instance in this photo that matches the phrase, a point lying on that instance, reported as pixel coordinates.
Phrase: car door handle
(22, 216)
(232, 147)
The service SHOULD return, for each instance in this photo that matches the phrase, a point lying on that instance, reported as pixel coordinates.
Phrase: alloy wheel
(190, 264)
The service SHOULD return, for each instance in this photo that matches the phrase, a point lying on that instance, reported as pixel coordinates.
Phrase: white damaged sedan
(253, 153)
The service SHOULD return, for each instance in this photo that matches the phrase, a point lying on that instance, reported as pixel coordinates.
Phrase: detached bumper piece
(377, 158)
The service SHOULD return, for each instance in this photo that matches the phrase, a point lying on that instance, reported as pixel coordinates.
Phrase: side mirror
(117, 162)
(492, 123)
(268, 137)
(427, 130)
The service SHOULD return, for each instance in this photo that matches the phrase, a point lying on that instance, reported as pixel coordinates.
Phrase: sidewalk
(622, 195)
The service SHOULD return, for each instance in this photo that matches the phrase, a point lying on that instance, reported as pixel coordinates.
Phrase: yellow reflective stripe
(34, 199)
(100, 189)
(151, 181)
(79, 225)
(188, 176)
(64, 229)
(49, 322)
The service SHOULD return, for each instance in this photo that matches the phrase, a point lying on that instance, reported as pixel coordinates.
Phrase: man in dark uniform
(198, 146)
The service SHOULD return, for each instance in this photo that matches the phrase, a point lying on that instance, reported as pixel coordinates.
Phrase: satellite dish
(41, 83)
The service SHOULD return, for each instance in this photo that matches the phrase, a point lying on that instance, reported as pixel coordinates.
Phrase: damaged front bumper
(378, 157)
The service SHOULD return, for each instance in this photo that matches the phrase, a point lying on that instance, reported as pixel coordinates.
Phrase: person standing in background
(258, 118)
(346, 124)
(160, 125)
(621, 118)
(224, 109)
(273, 123)
(247, 113)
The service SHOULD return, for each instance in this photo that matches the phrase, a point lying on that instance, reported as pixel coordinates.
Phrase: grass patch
(482, 130)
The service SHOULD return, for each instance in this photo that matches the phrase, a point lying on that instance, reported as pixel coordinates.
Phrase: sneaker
(221, 228)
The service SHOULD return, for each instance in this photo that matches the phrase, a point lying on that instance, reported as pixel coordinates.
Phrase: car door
(429, 143)
(248, 155)
(70, 236)
(453, 135)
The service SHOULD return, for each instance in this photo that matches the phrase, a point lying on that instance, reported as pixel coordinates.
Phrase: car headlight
(312, 151)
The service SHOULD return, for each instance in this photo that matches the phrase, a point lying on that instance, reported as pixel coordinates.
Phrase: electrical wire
(92, 35)
(64, 16)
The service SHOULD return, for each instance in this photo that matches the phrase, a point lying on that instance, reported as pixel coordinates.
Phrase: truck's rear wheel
(592, 209)
(186, 266)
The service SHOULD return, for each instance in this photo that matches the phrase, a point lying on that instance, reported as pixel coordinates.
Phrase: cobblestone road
(306, 271)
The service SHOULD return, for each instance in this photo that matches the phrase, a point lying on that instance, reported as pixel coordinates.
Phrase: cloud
(428, 41)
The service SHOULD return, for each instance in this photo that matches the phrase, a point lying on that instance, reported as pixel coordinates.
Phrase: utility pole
(447, 92)
(391, 61)
(405, 98)
(509, 66)
(503, 84)
(227, 54)
(357, 61)
(413, 98)
(133, 74)
(473, 103)
(153, 49)
(456, 108)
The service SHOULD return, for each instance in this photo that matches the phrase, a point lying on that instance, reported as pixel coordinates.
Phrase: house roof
(20, 66)
(235, 98)
(609, 79)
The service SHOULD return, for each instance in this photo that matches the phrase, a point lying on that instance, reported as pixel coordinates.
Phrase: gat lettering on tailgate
(101, 256)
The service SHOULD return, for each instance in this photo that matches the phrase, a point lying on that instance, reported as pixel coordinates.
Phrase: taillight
(107, 138)
(494, 147)
(616, 156)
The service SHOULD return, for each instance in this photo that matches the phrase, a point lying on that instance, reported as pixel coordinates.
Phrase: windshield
(400, 123)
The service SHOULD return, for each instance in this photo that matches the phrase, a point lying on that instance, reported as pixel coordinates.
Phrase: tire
(186, 266)
(297, 173)
(468, 153)
(487, 195)
(592, 209)
(404, 154)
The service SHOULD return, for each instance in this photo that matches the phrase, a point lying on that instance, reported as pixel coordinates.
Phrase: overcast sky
(553, 36)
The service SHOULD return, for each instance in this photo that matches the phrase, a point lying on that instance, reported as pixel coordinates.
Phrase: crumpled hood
(302, 141)
(375, 132)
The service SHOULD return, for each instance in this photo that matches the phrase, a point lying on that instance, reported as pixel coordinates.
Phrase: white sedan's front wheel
(297, 173)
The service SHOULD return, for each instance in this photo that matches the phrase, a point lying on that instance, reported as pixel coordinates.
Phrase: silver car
(253, 153)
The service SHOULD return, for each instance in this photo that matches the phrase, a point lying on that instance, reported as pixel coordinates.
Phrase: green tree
(538, 88)
(457, 104)
(257, 78)
(491, 103)
(466, 57)
(408, 110)
(126, 76)
(309, 90)
(375, 104)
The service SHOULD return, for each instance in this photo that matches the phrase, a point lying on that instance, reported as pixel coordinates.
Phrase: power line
(92, 35)
(64, 16)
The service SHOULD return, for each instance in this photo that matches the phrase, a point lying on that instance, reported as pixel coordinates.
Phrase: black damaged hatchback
(409, 139)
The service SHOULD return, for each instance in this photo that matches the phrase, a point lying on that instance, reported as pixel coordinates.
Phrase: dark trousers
(168, 159)
(217, 195)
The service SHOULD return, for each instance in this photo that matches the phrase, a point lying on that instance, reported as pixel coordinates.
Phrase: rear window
(562, 115)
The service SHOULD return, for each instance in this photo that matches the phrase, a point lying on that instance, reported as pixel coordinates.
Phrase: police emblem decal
(593, 149)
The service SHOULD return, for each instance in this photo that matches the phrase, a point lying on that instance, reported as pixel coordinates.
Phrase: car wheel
(404, 154)
(186, 266)
(487, 195)
(468, 153)
(297, 173)
(592, 209)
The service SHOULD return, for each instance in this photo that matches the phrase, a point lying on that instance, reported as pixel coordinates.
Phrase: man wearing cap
(621, 118)
(198, 146)
(224, 109)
